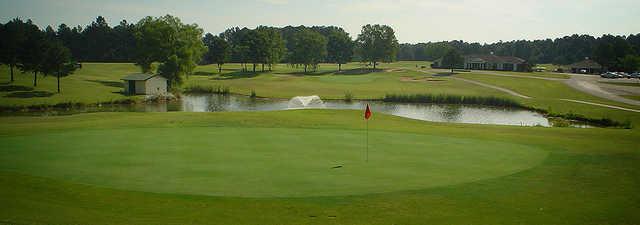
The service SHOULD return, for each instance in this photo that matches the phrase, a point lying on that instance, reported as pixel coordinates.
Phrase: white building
(487, 62)
(494, 62)
(145, 84)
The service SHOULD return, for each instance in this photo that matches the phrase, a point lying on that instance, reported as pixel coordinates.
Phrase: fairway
(261, 162)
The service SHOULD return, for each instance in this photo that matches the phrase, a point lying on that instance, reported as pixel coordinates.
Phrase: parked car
(622, 75)
(610, 75)
(634, 75)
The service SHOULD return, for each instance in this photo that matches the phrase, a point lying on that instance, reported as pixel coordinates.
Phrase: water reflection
(428, 112)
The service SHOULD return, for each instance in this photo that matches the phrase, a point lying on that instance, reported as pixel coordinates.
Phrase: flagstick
(367, 153)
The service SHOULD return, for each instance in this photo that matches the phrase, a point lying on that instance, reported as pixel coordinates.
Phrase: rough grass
(589, 176)
(452, 99)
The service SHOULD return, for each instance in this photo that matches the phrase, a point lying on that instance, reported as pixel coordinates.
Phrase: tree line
(24, 46)
(167, 46)
(613, 52)
(300, 46)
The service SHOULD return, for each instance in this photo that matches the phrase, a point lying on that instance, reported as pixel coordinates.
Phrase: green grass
(546, 95)
(103, 168)
(634, 97)
(622, 84)
(95, 82)
(99, 82)
(287, 82)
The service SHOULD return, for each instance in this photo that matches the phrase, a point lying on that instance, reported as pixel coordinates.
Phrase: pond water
(428, 112)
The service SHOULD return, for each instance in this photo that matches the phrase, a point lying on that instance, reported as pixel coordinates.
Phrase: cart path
(603, 105)
(519, 76)
(590, 85)
(511, 92)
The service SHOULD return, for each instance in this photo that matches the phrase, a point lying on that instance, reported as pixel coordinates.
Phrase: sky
(414, 21)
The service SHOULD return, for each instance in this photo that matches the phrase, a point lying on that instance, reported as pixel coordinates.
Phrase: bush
(348, 96)
(253, 94)
(224, 90)
(452, 99)
(559, 122)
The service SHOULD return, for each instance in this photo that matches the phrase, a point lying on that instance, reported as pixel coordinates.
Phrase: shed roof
(138, 76)
(586, 64)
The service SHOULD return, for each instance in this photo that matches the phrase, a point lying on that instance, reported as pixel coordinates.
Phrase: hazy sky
(413, 20)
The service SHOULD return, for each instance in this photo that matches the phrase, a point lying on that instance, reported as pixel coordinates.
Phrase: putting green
(261, 162)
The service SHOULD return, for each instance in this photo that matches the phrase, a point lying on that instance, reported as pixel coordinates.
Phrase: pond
(419, 111)
(428, 112)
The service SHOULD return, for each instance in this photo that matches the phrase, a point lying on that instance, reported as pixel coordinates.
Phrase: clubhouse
(489, 62)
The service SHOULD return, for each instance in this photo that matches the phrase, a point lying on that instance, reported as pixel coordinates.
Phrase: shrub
(224, 90)
(348, 96)
(253, 94)
(452, 99)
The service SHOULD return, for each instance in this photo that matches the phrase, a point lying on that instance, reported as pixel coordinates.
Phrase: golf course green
(262, 162)
(309, 166)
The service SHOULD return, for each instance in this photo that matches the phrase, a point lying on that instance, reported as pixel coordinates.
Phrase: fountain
(301, 102)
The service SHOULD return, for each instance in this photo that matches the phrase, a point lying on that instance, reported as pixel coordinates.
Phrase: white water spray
(301, 102)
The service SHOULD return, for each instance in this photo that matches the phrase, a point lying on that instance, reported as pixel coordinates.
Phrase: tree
(158, 39)
(610, 49)
(452, 58)
(31, 52)
(256, 41)
(309, 48)
(630, 63)
(99, 41)
(339, 47)
(274, 45)
(170, 69)
(377, 43)
(124, 40)
(219, 50)
(57, 61)
(72, 38)
(12, 38)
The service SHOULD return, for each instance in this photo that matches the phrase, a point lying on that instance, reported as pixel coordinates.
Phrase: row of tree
(304, 46)
(176, 48)
(173, 46)
(613, 52)
(24, 46)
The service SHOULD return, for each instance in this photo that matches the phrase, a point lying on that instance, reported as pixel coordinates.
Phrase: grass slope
(95, 82)
(547, 94)
(589, 176)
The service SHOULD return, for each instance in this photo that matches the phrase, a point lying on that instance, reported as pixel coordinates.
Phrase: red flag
(367, 113)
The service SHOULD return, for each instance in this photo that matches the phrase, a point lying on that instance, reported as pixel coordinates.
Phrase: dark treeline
(300, 46)
(166, 46)
(98, 42)
(25, 47)
(611, 51)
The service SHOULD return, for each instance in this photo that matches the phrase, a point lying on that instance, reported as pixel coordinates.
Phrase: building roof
(138, 76)
(495, 59)
(586, 64)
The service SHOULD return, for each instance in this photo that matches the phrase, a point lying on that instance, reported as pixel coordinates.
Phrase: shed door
(132, 87)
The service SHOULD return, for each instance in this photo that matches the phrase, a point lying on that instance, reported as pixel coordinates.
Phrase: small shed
(145, 84)
(586, 66)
